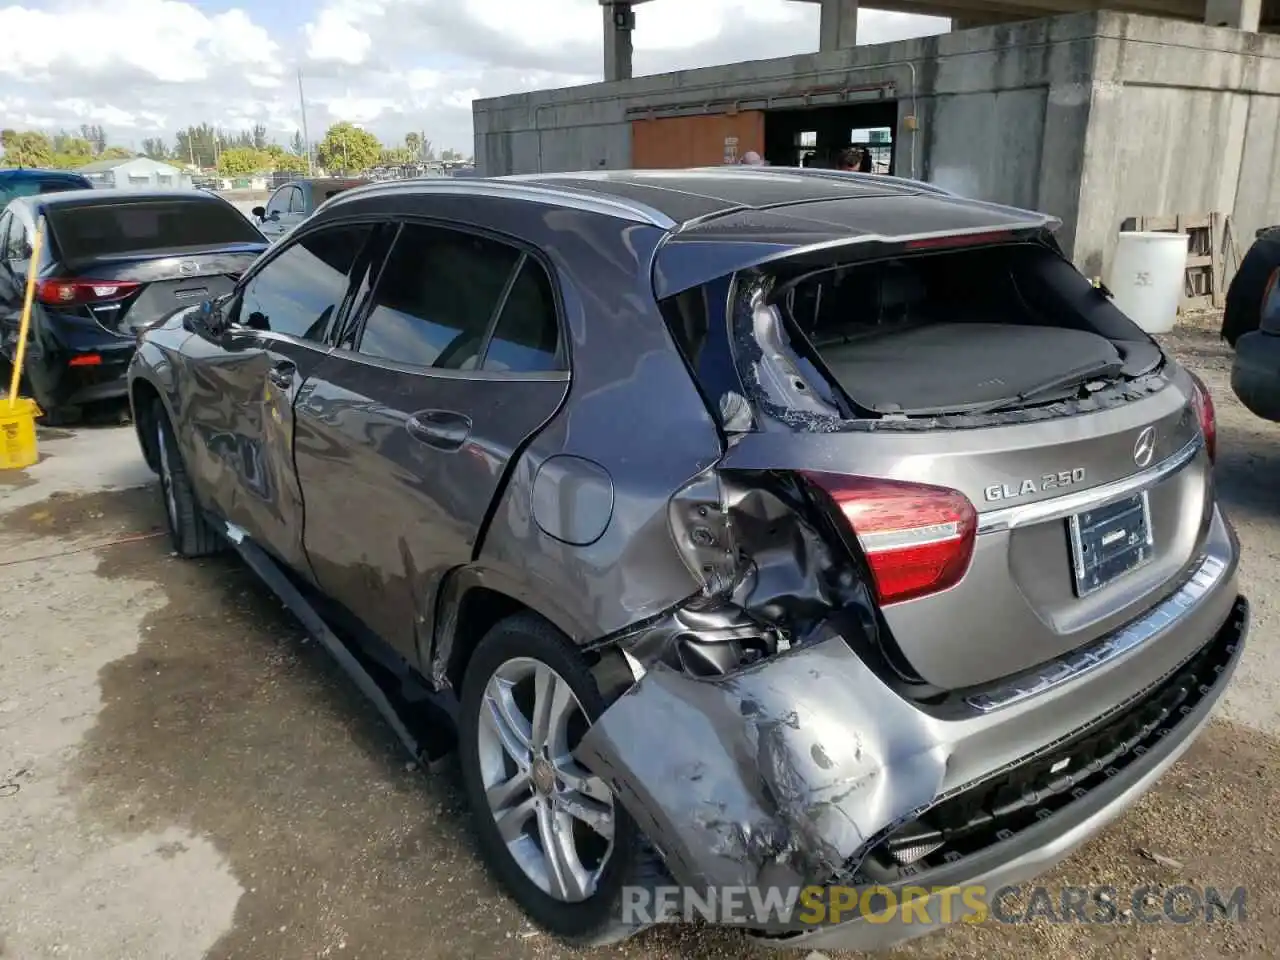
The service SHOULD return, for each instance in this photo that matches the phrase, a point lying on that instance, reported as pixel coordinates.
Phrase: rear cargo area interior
(963, 331)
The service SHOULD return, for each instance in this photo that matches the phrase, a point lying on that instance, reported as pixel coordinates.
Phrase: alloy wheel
(555, 817)
(166, 478)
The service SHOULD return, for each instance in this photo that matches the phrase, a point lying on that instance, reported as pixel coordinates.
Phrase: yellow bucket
(18, 433)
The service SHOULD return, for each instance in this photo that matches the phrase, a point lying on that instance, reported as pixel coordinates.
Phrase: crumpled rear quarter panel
(774, 776)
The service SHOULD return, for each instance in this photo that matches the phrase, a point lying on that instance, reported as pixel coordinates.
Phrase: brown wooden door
(700, 141)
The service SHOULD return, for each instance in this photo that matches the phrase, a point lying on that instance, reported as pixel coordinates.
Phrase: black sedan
(112, 262)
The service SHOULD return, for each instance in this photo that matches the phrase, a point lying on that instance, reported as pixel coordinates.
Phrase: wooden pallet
(1207, 254)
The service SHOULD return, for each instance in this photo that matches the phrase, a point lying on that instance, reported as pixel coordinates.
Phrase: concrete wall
(1184, 119)
(1001, 110)
(1092, 117)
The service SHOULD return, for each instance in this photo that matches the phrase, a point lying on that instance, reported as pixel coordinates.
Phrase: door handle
(441, 429)
(282, 375)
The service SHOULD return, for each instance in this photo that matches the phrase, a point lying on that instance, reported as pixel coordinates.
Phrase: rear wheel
(550, 830)
(189, 529)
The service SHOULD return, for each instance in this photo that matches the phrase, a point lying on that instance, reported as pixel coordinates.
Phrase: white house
(138, 173)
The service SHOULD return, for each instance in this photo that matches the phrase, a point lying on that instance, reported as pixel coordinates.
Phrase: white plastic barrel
(1148, 273)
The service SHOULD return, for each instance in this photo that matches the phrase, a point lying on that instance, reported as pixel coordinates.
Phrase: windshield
(112, 229)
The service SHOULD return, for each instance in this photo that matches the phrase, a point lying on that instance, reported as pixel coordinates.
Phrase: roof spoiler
(716, 248)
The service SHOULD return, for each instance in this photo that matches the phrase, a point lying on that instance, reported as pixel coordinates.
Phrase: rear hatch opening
(1076, 498)
(962, 334)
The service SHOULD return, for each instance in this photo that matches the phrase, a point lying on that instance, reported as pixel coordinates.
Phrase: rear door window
(114, 229)
(296, 202)
(435, 298)
(300, 291)
(526, 339)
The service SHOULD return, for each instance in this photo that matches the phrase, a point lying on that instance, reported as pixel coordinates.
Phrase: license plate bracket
(1109, 541)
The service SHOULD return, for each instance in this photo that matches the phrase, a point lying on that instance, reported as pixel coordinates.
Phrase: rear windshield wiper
(1067, 380)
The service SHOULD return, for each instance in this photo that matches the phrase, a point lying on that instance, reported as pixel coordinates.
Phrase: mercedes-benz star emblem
(1144, 447)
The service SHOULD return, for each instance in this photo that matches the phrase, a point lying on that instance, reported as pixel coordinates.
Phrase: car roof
(723, 219)
(39, 173)
(692, 194)
(91, 197)
(355, 181)
(682, 198)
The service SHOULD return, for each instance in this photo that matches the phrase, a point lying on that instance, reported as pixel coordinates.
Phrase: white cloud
(334, 36)
(146, 67)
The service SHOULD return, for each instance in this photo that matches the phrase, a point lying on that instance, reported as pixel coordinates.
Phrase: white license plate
(1108, 542)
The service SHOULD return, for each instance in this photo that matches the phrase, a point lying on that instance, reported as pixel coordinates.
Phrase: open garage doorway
(815, 136)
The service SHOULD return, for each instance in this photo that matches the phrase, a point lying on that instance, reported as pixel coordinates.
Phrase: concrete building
(139, 173)
(1094, 116)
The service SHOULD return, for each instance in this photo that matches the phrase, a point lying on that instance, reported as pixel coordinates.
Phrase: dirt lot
(183, 774)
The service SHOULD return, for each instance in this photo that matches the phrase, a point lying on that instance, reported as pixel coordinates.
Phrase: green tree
(70, 151)
(289, 163)
(243, 162)
(296, 145)
(27, 149)
(396, 156)
(155, 148)
(347, 148)
(413, 143)
(196, 145)
(96, 136)
(116, 153)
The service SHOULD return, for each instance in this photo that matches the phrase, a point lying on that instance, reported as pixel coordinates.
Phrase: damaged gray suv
(754, 529)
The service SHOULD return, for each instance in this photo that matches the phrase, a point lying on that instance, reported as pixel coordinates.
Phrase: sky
(144, 68)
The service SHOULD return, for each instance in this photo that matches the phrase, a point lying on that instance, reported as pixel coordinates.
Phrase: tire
(524, 643)
(1255, 374)
(189, 530)
(1242, 312)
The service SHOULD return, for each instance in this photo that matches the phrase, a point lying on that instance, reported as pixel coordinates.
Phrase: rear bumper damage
(807, 769)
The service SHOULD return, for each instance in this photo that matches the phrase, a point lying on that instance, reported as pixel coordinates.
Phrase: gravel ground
(183, 774)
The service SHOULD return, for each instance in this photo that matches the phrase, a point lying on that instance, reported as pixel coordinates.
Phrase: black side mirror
(257, 321)
(259, 212)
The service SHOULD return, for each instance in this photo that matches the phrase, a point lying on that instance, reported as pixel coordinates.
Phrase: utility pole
(306, 139)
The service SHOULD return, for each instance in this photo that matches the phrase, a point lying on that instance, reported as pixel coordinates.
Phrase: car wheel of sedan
(553, 832)
(190, 531)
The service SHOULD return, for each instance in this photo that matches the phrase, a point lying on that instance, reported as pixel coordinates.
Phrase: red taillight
(960, 240)
(61, 293)
(1202, 400)
(918, 538)
(86, 360)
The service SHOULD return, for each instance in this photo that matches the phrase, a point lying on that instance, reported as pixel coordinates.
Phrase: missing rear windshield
(115, 229)
(956, 338)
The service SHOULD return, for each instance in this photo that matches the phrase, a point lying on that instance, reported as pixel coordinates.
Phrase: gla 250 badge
(1023, 488)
